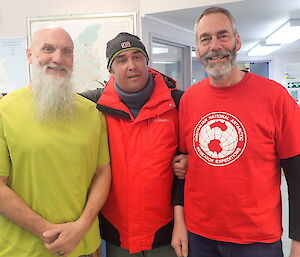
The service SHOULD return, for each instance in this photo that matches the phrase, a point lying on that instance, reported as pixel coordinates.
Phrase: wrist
(45, 226)
(83, 224)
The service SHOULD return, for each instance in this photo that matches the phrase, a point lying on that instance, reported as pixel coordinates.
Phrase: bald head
(52, 47)
(50, 32)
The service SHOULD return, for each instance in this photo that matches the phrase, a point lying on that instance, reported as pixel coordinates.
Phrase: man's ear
(238, 42)
(29, 55)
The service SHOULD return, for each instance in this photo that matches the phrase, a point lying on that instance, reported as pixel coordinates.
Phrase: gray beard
(219, 70)
(53, 98)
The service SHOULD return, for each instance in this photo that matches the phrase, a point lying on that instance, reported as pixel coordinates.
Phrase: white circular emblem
(219, 138)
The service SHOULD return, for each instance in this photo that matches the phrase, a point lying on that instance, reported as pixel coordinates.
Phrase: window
(198, 72)
(171, 59)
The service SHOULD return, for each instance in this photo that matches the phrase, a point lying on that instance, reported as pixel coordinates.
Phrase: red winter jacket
(138, 214)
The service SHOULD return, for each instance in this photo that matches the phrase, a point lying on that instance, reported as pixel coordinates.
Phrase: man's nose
(131, 64)
(57, 57)
(215, 44)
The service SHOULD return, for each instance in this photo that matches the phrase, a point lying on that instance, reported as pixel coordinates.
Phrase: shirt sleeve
(104, 156)
(4, 152)
(93, 94)
(178, 192)
(287, 136)
(291, 167)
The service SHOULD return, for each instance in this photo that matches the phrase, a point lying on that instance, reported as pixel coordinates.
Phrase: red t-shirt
(235, 137)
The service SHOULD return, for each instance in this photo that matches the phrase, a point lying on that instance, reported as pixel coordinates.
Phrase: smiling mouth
(56, 68)
(133, 76)
(216, 58)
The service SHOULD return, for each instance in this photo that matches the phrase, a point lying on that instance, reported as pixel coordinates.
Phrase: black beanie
(122, 42)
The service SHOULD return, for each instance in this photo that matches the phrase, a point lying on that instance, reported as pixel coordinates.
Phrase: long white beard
(219, 70)
(53, 96)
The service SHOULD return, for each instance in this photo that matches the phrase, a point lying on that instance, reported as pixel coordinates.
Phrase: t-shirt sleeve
(288, 126)
(103, 157)
(4, 153)
(182, 137)
(291, 167)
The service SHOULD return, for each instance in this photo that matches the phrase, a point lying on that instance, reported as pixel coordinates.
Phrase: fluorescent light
(287, 33)
(160, 50)
(263, 49)
(163, 62)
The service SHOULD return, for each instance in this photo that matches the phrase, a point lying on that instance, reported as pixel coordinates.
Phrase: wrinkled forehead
(52, 36)
(213, 23)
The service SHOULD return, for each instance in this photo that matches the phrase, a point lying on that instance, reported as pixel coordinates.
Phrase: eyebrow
(204, 35)
(120, 55)
(224, 31)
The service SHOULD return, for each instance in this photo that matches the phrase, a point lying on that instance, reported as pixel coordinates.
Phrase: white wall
(282, 58)
(278, 60)
(154, 6)
(13, 13)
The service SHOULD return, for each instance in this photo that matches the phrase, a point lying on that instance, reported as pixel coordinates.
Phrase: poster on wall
(292, 80)
(90, 33)
(13, 64)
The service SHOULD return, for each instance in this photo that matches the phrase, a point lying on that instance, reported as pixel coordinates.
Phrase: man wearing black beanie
(139, 104)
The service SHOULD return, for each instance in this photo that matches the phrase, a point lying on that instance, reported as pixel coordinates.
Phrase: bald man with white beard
(54, 166)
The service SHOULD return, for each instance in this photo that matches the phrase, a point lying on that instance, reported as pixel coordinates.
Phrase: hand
(295, 249)
(180, 240)
(68, 236)
(180, 165)
(50, 238)
(180, 236)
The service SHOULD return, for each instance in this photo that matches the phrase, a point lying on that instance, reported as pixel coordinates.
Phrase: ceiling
(255, 19)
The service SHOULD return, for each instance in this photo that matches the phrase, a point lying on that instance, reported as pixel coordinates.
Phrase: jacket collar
(159, 102)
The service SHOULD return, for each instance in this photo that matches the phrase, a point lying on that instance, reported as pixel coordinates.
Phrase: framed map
(90, 34)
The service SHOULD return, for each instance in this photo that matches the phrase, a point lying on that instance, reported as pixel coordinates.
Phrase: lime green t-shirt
(50, 166)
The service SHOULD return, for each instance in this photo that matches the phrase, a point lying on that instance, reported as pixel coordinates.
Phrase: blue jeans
(203, 247)
(117, 251)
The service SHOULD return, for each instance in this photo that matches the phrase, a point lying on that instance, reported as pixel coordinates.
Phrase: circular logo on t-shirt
(219, 138)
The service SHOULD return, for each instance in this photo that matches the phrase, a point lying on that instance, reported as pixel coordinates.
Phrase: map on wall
(13, 64)
(90, 34)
